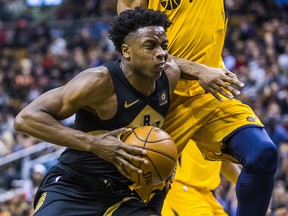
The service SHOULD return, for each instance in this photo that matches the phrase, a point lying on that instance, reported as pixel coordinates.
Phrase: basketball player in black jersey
(89, 179)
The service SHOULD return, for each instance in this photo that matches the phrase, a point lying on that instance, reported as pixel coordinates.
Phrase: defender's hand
(110, 148)
(218, 81)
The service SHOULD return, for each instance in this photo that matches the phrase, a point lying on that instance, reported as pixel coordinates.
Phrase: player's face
(148, 51)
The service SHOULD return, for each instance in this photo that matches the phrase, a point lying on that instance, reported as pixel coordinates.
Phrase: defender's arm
(130, 4)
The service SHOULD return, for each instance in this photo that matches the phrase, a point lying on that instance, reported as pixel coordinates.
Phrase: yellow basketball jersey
(198, 35)
(193, 171)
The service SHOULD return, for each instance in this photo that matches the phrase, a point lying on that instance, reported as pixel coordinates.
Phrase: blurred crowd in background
(43, 47)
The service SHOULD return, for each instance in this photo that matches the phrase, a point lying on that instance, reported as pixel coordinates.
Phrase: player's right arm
(42, 119)
(130, 4)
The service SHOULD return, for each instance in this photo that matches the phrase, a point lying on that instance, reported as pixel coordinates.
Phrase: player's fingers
(134, 150)
(120, 132)
(216, 90)
(232, 78)
(129, 167)
(219, 88)
(214, 93)
(225, 93)
(210, 90)
(123, 171)
(130, 154)
(231, 89)
(125, 133)
(225, 89)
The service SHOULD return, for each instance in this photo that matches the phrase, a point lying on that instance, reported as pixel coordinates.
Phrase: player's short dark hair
(131, 20)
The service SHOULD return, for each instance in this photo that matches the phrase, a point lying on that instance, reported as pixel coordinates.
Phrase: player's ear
(125, 51)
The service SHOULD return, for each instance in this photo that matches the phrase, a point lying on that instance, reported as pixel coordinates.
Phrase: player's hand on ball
(171, 178)
(218, 81)
(161, 153)
(110, 148)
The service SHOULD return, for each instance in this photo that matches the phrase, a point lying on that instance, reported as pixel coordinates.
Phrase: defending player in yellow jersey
(222, 129)
(192, 191)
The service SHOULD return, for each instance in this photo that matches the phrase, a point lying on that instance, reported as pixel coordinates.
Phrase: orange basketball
(161, 154)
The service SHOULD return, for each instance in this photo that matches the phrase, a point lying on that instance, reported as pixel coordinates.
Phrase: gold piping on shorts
(40, 201)
(114, 207)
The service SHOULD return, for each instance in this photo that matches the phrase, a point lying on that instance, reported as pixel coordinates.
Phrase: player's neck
(141, 83)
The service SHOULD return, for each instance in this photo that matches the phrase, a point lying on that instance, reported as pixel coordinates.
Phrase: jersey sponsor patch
(163, 98)
(251, 118)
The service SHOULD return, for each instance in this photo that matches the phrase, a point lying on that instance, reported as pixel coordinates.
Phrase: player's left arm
(214, 80)
(230, 171)
(130, 4)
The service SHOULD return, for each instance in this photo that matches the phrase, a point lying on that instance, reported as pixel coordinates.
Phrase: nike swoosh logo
(127, 105)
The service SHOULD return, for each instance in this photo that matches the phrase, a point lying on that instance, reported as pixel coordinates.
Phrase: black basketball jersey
(133, 110)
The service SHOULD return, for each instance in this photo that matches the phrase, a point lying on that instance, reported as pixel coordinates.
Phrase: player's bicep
(54, 103)
(88, 88)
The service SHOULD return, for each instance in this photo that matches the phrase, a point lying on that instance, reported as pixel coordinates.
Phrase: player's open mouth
(162, 64)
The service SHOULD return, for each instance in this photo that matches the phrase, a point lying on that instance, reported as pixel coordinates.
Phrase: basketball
(161, 154)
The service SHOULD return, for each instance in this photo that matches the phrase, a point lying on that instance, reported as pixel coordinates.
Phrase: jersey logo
(170, 4)
(163, 98)
(251, 119)
(127, 105)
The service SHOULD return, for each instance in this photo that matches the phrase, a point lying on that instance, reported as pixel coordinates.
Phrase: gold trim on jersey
(113, 208)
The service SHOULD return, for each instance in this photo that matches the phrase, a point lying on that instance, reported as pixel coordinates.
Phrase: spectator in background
(22, 36)
(31, 185)
(273, 123)
(282, 173)
(17, 205)
(264, 19)
(3, 35)
(280, 202)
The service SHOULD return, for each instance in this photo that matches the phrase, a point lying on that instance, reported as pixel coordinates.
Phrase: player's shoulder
(92, 80)
(97, 75)
(95, 72)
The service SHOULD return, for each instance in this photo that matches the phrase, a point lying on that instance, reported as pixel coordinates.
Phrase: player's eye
(164, 46)
(149, 46)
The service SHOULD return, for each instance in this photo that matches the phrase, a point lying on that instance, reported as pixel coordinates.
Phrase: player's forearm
(189, 70)
(44, 127)
(130, 4)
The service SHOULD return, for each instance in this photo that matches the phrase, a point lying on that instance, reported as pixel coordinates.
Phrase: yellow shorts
(186, 201)
(207, 122)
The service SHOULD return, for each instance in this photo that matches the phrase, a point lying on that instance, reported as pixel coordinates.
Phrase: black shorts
(62, 194)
